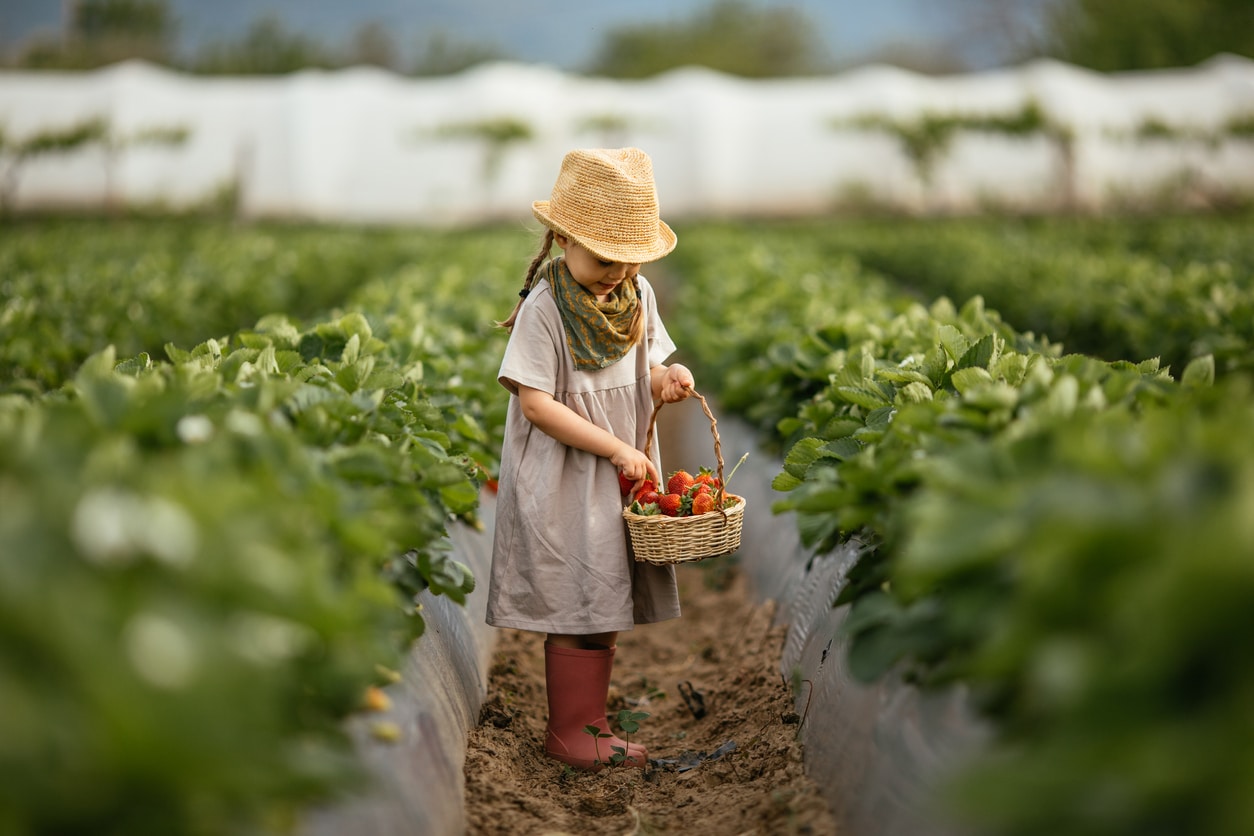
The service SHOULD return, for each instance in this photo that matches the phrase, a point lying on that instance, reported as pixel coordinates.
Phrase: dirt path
(726, 648)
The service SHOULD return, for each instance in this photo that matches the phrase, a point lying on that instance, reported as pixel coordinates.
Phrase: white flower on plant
(113, 527)
(101, 527)
(194, 429)
(244, 423)
(266, 639)
(159, 650)
(171, 534)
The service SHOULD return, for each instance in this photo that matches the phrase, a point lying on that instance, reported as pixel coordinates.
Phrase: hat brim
(624, 252)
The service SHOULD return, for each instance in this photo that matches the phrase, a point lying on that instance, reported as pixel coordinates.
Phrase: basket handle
(718, 444)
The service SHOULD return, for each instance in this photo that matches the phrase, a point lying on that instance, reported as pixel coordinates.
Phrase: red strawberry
(703, 503)
(645, 497)
(670, 504)
(706, 477)
(679, 481)
(625, 485)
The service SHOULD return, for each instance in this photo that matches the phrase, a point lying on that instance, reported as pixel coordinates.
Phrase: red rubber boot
(578, 682)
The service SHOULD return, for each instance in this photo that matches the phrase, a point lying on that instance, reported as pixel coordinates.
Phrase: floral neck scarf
(599, 333)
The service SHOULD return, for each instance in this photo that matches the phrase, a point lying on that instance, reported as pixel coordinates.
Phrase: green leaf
(176, 354)
(842, 448)
(907, 376)
(1200, 371)
(469, 428)
(967, 379)
(134, 365)
(978, 355)
(914, 392)
(954, 343)
(803, 454)
(862, 396)
(460, 497)
(785, 481)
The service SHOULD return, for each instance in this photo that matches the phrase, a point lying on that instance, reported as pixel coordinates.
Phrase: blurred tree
(916, 56)
(373, 44)
(441, 55)
(1000, 32)
(732, 36)
(1112, 35)
(15, 153)
(267, 49)
(100, 32)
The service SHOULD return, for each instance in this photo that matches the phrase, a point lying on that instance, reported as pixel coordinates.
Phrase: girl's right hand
(634, 465)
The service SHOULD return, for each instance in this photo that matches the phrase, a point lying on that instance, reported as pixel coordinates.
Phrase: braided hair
(546, 246)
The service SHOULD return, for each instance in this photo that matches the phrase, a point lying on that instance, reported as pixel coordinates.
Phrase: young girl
(584, 366)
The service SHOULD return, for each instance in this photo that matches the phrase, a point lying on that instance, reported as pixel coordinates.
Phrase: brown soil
(726, 648)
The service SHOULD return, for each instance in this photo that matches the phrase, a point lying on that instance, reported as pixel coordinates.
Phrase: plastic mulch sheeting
(418, 784)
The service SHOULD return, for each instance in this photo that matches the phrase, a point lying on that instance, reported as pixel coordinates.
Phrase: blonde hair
(546, 247)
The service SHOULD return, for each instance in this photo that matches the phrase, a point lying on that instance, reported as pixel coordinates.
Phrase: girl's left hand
(677, 384)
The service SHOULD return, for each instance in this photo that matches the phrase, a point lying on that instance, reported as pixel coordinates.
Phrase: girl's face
(600, 277)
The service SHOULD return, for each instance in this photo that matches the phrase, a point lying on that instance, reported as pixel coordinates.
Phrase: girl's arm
(671, 383)
(562, 423)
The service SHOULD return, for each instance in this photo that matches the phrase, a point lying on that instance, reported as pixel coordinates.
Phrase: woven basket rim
(653, 519)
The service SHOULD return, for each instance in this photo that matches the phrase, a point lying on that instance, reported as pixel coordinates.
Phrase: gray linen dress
(560, 559)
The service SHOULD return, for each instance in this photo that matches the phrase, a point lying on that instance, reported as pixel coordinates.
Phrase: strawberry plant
(1056, 532)
(214, 555)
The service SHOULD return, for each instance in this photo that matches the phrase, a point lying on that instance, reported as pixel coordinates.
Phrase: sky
(561, 33)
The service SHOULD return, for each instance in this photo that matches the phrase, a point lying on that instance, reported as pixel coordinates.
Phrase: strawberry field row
(1062, 535)
(210, 553)
(70, 287)
(1175, 288)
(213, 531)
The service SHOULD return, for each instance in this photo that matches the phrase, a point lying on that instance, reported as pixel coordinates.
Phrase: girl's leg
(577, 678)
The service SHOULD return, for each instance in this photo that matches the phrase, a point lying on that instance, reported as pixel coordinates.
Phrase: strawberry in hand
(626, 485)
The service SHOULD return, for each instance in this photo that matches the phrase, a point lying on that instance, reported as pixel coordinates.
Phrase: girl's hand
(677, 384)
(634, 465)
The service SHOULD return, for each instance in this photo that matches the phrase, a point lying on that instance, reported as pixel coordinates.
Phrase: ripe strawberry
(645, 497)
(679, 482)
(706, 477)
(670, 503)
(703, 503)
(625, 485)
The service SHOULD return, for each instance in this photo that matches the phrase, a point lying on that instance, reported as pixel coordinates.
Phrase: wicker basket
(666, 540)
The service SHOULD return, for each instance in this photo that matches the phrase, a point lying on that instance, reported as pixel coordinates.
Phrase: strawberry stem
(734, 469)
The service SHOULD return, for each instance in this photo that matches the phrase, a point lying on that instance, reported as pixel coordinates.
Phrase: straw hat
(606, 200)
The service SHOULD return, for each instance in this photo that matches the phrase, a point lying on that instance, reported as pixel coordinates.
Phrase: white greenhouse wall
(362, 145)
